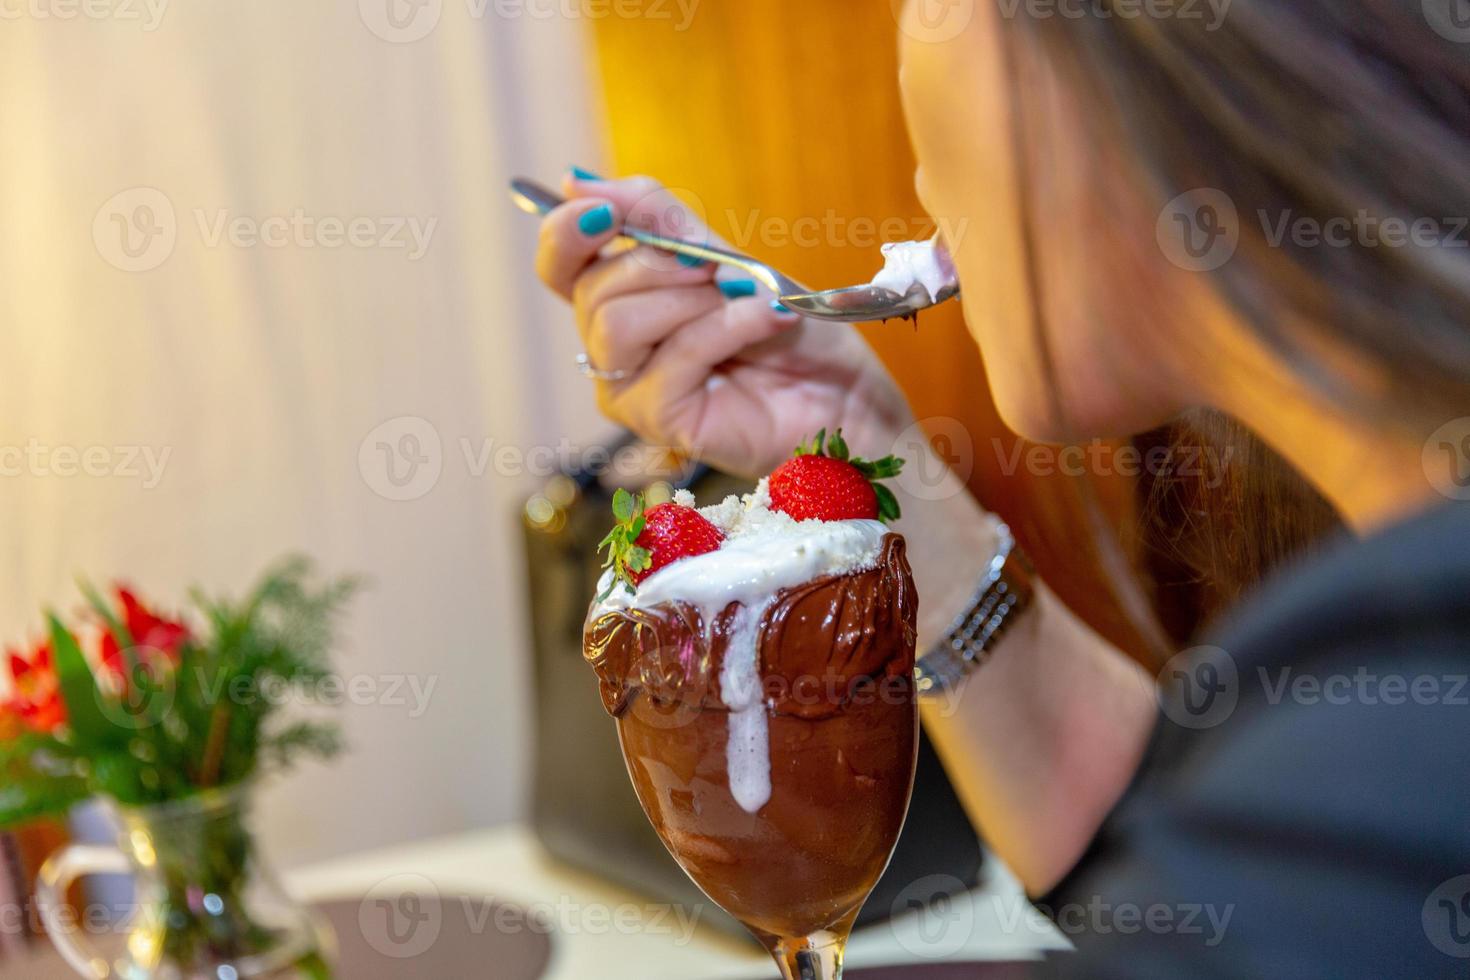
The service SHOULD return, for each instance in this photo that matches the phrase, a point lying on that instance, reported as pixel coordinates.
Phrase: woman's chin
(1031, 419)
(1036, 416)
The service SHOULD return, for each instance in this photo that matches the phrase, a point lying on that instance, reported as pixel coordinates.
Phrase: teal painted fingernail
(738, 288)
(779, 306)
(596, 221)
(690, 261)
(581, 174)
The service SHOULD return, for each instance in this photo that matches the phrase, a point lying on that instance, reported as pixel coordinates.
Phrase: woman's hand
(736, 382)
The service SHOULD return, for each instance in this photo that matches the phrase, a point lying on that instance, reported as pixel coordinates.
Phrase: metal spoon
(853, 304)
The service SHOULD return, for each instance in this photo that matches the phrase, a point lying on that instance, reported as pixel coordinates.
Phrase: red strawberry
(821, 482)
(642, 543)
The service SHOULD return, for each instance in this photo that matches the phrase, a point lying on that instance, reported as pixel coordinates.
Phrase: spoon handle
(533, 198)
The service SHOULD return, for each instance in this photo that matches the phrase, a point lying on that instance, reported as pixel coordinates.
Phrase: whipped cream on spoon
(926, 264)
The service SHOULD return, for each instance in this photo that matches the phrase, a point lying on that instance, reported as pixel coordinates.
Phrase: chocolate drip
(840, 637)
(822, 644)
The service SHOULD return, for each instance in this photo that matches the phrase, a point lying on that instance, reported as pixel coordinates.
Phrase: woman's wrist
(951, 540)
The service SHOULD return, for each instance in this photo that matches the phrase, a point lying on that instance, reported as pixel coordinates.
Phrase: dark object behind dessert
(584, 807)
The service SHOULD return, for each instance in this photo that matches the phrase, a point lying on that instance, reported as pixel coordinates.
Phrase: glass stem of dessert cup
(817, 957)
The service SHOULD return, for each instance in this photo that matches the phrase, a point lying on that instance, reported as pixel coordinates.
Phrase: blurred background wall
(229, 381)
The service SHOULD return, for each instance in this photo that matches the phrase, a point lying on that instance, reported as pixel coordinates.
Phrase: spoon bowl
(865, 304)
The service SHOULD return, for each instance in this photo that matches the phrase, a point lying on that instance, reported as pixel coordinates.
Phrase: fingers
(634, 271)
(623, 312)
(573, 235)
(621, 333)
(630, 302)
(644, 311)
(645, 204)
(682, 364)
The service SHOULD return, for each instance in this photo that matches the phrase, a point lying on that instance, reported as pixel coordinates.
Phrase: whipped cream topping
(764, 552)
(907, 263)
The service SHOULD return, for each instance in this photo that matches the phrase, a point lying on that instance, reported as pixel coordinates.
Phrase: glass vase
(204, 904)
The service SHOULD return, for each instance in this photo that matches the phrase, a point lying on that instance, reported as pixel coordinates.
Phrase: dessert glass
(782, 803)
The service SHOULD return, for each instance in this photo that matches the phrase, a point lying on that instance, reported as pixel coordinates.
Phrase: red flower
(35, 695)
(35, 690)
(152, 636)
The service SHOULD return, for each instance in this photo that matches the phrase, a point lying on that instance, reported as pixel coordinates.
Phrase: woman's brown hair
(1308, 109)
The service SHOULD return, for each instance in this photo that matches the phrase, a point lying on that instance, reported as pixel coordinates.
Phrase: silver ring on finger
(590, 370)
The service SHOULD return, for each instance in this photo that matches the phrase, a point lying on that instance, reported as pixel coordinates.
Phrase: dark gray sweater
(1303, 809)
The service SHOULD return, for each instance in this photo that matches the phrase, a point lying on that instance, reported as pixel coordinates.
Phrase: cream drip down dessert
(758, 657)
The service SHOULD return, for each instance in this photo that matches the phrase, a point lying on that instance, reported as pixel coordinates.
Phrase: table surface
(599, 929)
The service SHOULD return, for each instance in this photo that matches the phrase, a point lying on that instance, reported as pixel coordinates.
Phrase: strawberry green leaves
(888, 509)
(624, 556)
